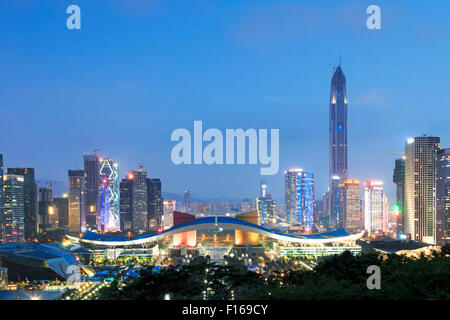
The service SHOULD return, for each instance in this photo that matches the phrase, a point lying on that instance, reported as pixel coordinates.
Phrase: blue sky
(139, 69)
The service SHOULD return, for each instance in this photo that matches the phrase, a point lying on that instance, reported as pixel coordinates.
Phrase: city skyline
(65, 107)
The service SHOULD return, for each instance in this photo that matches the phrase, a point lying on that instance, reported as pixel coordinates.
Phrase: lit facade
(374, 206)
(169, 206)
(30, 199)
(77, 207)
(13, 208)
(419, 218)
(91, 171)
(299, 197)
(338, 153)
(443, 197)
(352, 204)
(108, 216)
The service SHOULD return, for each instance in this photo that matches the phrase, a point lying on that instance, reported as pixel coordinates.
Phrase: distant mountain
(180, 198)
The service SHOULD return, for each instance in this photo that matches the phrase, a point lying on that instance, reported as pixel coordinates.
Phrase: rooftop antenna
(340, 60)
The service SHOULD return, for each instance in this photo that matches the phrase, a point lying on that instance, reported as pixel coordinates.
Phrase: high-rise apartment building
(374, 206)
(30, 199)
(13, 209)
(169, 206)
(419, 217)
(187, 201)
(443, 197)
(77, 206)
(299, 197)
(47, 214)
(61, 207)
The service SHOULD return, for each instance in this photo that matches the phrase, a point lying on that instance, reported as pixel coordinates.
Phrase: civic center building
(217, 236)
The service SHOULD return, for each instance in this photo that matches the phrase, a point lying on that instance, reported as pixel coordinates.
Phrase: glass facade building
(299, 197)
(13, 209)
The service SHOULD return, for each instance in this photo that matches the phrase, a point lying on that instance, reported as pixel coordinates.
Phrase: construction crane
(141, 164)
(95, 150)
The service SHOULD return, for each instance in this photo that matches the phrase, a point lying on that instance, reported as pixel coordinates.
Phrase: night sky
(137, 70)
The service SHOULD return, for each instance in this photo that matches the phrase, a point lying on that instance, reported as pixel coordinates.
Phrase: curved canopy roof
(214, 222)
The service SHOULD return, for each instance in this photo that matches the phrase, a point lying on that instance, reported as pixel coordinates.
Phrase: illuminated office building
(139, 200)
(338, 158)
(108, 215)
(169, 206)
(126, 189)
(443, 197)
(374, 206)
(352, 206)
(299, 197)
(77, 206)
(30, 199)
(155, 206)
(13, 209)
(419, 218)
(92, 180)
(336, 203)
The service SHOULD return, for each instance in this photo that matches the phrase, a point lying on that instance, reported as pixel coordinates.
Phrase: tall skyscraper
(352, 205)
(399, 180)
(299, 197)
(155, 203)
(126, 193)
(30, 199)
(92, 180)
(77, 206)
(419, 218)
(108, 208)
(139, 201)
(443, 197)
(266, 206)
(336, 203)
(338, 159)
(374, 206)
(13, 208)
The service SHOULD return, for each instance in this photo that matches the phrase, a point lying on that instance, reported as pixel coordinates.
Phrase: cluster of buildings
(96, 200)
(422, 176)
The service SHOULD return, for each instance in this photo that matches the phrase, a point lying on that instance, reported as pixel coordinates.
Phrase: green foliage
(337, 277)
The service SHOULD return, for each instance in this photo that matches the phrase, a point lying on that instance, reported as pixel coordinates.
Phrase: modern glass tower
(92, 179)
(338, 160)
(14, 217)
(299, 196)
(30, 198)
